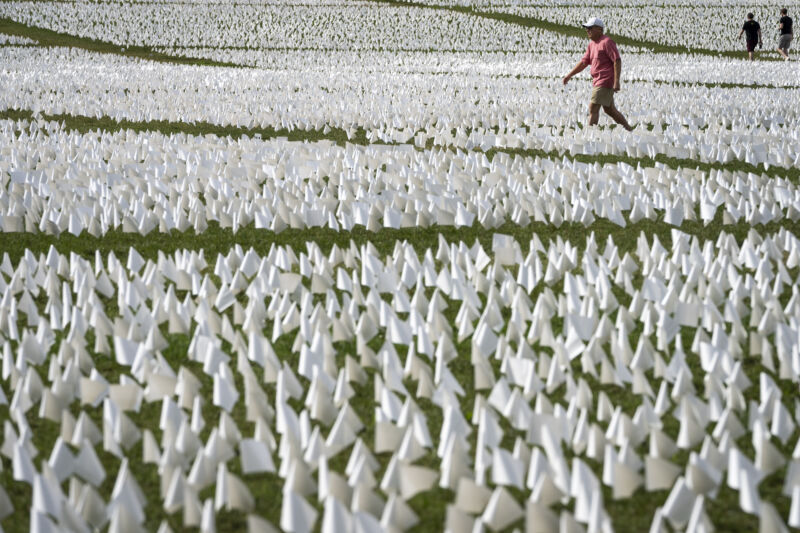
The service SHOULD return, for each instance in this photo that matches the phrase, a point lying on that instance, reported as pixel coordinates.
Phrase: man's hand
(578, 68)
(616, 86)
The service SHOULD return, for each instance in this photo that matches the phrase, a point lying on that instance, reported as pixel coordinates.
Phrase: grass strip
(216, 239)
(84, 124)
(191, 60)
(47, 37)
(200, 61)
(791, 174)
(570, 31)
(52, 38)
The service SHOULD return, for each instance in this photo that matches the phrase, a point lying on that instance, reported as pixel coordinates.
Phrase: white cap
(593, 21)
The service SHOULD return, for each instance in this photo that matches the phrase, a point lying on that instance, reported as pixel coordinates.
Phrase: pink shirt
(602, 55)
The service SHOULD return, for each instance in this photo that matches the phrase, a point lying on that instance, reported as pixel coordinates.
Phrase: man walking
(753, 31)
(603, 56)
(785, 38)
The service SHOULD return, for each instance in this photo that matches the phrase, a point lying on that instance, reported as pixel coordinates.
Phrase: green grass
(570, 31)
(85, 124)
(216, 239)
(47, 37)
(631, 515)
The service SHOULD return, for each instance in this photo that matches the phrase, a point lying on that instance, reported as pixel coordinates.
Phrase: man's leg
(784, 54)
(594, 113)
(613, 112)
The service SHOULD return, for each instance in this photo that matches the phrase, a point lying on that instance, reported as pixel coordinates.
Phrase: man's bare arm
(578, 68)
(617, 72)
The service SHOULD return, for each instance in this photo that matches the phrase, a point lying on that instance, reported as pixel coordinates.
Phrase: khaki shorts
(603, 96)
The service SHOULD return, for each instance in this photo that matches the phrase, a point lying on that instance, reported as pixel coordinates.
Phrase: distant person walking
(753, 31)
(603, 56)
(785, 38)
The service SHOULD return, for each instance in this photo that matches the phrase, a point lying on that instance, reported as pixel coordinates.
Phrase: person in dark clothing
(753, 31)
(785, 38)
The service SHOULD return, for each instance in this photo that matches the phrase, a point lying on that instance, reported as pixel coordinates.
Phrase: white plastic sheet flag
(366, 522)
(783, 425)
(769, 520)
(626, 481)
(126, 350)
(415, 479)
(128, 495)
(88, 466)
(660, 474)
(255, 456)
(457, 520)
(93, 391)
(231, 493)
(151, 454)
(506, 469)
(47, 496)
(701, 476)
(678, 506)
(698, 519)
(471, 497)
(331, 484)
(225, 393)
(176, 493)
(367, 502)
(92, 507)
(749, 499)
(31, 349)
(297, 515)
(23, 469)
(398, 514)
(336, 517)
(794, 511)
(123, 521)
(768, 457)
(257, 524)
(540, 519)
(208, 521)
(502, 510)
(61, 460)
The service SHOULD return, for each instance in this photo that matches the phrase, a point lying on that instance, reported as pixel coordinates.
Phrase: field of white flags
(363, 266)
